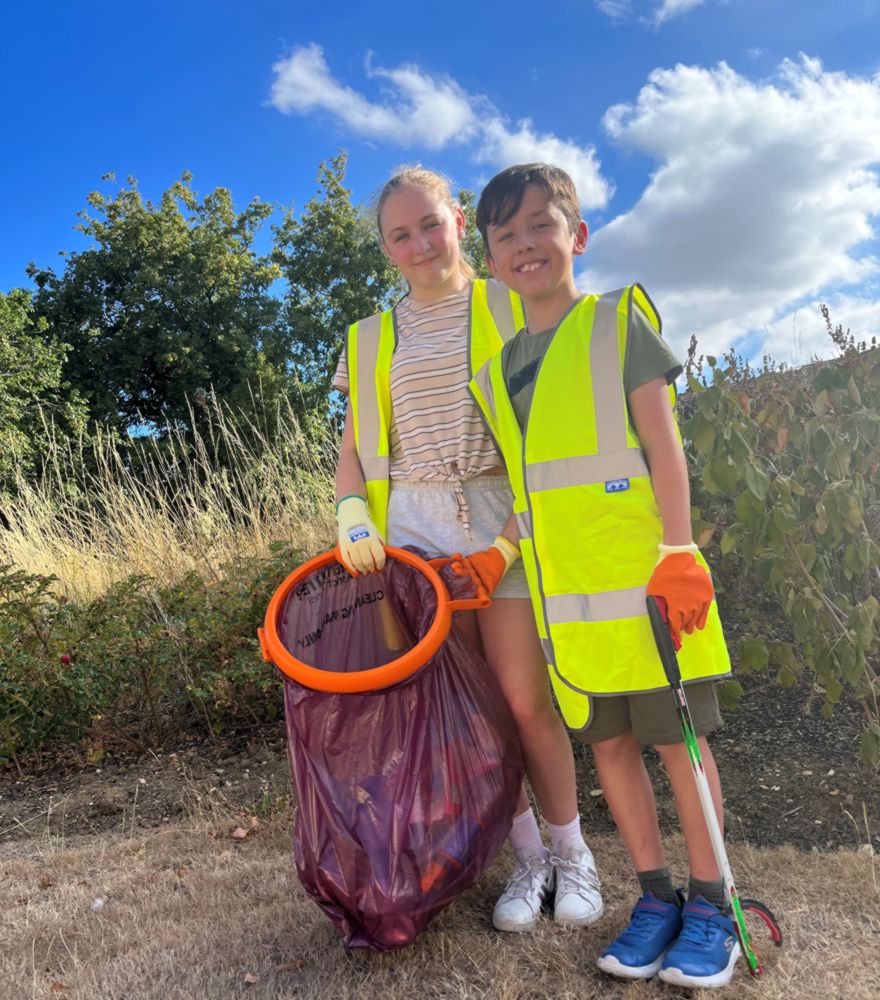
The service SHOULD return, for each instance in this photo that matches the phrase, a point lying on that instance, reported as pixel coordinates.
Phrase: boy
(579, 403)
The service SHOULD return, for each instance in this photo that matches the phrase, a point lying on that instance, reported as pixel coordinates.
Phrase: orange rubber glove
(487, 568)
(685, 586)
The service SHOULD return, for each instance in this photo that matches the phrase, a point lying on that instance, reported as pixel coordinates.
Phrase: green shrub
(785, 476)
(139, 664)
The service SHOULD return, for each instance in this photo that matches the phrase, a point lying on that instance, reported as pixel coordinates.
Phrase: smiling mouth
(422, 263)
(532, 265)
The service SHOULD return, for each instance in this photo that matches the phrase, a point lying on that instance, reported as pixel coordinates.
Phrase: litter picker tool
(666, 649)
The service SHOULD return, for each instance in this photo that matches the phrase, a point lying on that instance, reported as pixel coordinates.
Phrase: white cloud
(764, 195)
(426, 111)
(674, 8)
(654, 12)
(420, 110)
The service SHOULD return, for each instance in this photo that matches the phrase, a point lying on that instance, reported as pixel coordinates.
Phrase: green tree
(169, 304)
(32, 391)
(336, 274)
(472, 244)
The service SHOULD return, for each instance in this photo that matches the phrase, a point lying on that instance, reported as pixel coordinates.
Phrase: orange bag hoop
(274, 651)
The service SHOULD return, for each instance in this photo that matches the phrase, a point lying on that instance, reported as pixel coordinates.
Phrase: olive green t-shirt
(648, 356)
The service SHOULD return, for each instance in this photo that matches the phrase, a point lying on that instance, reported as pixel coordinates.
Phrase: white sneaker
(530, 885)
(578, 900)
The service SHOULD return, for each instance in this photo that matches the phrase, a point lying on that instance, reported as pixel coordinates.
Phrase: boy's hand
(487, 568)
(687, 589)
(360, 546)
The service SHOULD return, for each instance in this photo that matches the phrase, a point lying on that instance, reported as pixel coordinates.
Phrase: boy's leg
(638, 951)
(687, 802)
(630, 797)
(514, 654)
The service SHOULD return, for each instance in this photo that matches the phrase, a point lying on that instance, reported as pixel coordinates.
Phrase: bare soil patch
(789, 777)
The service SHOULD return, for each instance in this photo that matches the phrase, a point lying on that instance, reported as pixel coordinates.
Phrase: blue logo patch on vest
(616, 485)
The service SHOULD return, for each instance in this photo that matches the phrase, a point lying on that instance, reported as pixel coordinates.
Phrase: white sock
(568, 831)
(525, 837)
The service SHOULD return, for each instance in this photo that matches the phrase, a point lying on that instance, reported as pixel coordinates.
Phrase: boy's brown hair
(503, 195)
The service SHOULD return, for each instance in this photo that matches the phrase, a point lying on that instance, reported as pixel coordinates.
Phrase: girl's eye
(400, 237)
(432, 225)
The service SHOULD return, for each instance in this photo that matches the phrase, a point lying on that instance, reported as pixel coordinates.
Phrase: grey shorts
(425, 514)
(652, 717)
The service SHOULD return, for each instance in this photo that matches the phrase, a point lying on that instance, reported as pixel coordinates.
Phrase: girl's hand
(360, 548)
(487, 568)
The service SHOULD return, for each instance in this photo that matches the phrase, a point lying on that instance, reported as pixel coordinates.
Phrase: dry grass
(189, 913)
(92, 521)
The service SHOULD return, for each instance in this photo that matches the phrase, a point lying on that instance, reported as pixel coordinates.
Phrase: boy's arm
(655, 427)
(678, 578)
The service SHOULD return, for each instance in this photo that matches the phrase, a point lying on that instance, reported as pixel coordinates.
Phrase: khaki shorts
(425, 514)
(652, 716)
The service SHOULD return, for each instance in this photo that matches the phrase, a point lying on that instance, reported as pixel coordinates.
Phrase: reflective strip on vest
(585, 470)
(599, 607)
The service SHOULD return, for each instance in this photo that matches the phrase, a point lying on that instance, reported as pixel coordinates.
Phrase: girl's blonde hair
(428, 180)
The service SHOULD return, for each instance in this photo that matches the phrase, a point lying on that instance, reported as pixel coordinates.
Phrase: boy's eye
(504, 237)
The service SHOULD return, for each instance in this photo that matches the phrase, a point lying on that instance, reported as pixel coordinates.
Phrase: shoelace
(643, 921)
(526, 878)
(572, 876)
(698, 930)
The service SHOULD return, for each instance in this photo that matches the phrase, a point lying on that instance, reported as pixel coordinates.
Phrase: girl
(418, 467)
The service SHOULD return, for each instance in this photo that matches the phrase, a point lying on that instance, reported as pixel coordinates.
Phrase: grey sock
(711, 891)
(659, 881)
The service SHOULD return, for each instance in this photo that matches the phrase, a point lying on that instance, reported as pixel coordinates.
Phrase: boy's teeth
(530, 267)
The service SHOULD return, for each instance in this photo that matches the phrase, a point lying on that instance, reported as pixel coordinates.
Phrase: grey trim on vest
(609, 399)
(368, 336)
(547, 644)
(599, 607)
(585, 470)
(375, 466)
(524, 524)
(501, 309)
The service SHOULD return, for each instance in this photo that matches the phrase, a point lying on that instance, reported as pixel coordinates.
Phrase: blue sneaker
(637, 953)
(706, 950)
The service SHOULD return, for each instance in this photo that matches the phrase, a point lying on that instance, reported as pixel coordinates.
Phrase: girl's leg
(514, 654)
(515, 657)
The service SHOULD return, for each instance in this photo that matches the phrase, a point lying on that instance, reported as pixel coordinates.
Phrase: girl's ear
(460, 221)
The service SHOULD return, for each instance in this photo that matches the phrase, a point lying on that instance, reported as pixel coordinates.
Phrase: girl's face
(420, 234)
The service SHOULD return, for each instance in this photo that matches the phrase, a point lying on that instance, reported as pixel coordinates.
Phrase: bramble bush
(785, 478)
(139, 664)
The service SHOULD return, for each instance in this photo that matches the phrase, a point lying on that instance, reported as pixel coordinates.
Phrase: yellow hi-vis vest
(494, 316)
(586, 513)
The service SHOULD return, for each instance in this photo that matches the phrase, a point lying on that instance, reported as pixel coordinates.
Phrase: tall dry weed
(104, 510)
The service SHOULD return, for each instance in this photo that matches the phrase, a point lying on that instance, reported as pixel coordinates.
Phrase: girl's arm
(349, 474)
(655, 426)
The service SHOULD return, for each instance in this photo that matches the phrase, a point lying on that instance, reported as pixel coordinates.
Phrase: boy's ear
(581, 237)
(493, 270)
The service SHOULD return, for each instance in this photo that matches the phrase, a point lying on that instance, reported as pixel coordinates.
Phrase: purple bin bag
(405, 795)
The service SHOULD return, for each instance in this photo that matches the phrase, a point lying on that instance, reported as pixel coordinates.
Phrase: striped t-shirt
(436, 432)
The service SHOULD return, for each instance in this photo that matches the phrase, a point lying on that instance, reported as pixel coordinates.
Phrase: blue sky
(726, 151)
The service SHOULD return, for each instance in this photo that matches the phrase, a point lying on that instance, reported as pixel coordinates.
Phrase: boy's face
(532, 251)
